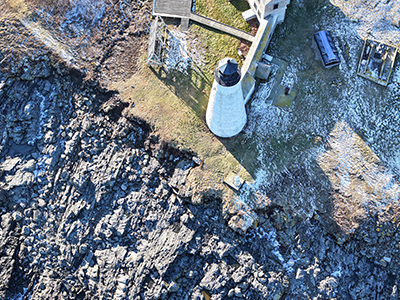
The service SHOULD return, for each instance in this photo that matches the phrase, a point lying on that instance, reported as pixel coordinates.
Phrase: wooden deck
(172, 8)
(222, 27)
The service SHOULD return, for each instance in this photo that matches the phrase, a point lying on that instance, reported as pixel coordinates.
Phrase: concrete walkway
(261, 42)
(221, 27)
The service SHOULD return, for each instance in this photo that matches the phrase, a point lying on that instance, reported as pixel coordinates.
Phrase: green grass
(224, 11)
(219, 45)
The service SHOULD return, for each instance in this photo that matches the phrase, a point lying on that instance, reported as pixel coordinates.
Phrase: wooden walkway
(183, 9)
(221, 27)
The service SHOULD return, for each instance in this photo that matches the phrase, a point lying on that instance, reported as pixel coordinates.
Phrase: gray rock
(231, 293)
(179, 178)
(328, 287)
(17, 216)
(387, 259)
(26, 230)
(71, 145)
(238, 292)
(300, 274)
(124, 186)
(173, 287)
(197, 160)
(80, 181)
(83, 249)
(215, 278)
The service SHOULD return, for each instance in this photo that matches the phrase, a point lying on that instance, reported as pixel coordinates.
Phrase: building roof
(327, 49)
(227, 72)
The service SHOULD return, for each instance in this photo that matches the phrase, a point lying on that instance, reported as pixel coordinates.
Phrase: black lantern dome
(227, 72)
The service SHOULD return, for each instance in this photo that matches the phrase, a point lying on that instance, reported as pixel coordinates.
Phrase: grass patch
(224, 11)
(219, 45)
(175, 102)
(18, 6)
(156, 101)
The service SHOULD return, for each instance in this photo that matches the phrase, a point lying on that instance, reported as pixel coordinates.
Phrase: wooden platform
(172, 8)
(222, 27)
(377, 61)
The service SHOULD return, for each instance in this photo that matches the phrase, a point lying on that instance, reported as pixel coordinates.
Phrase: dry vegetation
(362, 188)
(105, 38)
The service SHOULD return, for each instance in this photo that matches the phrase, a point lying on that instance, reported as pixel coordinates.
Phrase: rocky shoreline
(95, 206)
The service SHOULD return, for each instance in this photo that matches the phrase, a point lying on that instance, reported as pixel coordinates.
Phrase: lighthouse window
(276, 6)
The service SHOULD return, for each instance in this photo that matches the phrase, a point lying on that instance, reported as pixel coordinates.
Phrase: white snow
(83, 12)
(374, 18)
(183, 52)
(290, 75)
(48, 39)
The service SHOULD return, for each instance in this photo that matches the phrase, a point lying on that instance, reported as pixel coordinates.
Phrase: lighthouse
(226, 113)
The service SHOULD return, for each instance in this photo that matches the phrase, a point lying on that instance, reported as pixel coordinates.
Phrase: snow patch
(290, 75)
(177, 55)
(83, 12)
(285, 139)
(47, 38)
(183, 52)
(271, 238)
(376, 21)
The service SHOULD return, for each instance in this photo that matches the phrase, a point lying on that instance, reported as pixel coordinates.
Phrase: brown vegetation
(362, 189)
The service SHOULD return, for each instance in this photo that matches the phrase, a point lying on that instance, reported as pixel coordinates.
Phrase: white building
(265, 8)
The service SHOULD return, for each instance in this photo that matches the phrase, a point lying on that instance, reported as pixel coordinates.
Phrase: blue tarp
(327, 48)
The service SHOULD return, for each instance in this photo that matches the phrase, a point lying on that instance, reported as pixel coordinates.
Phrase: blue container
(327, 49)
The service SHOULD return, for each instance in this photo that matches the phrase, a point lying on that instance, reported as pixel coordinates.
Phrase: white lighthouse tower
(226, 113)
